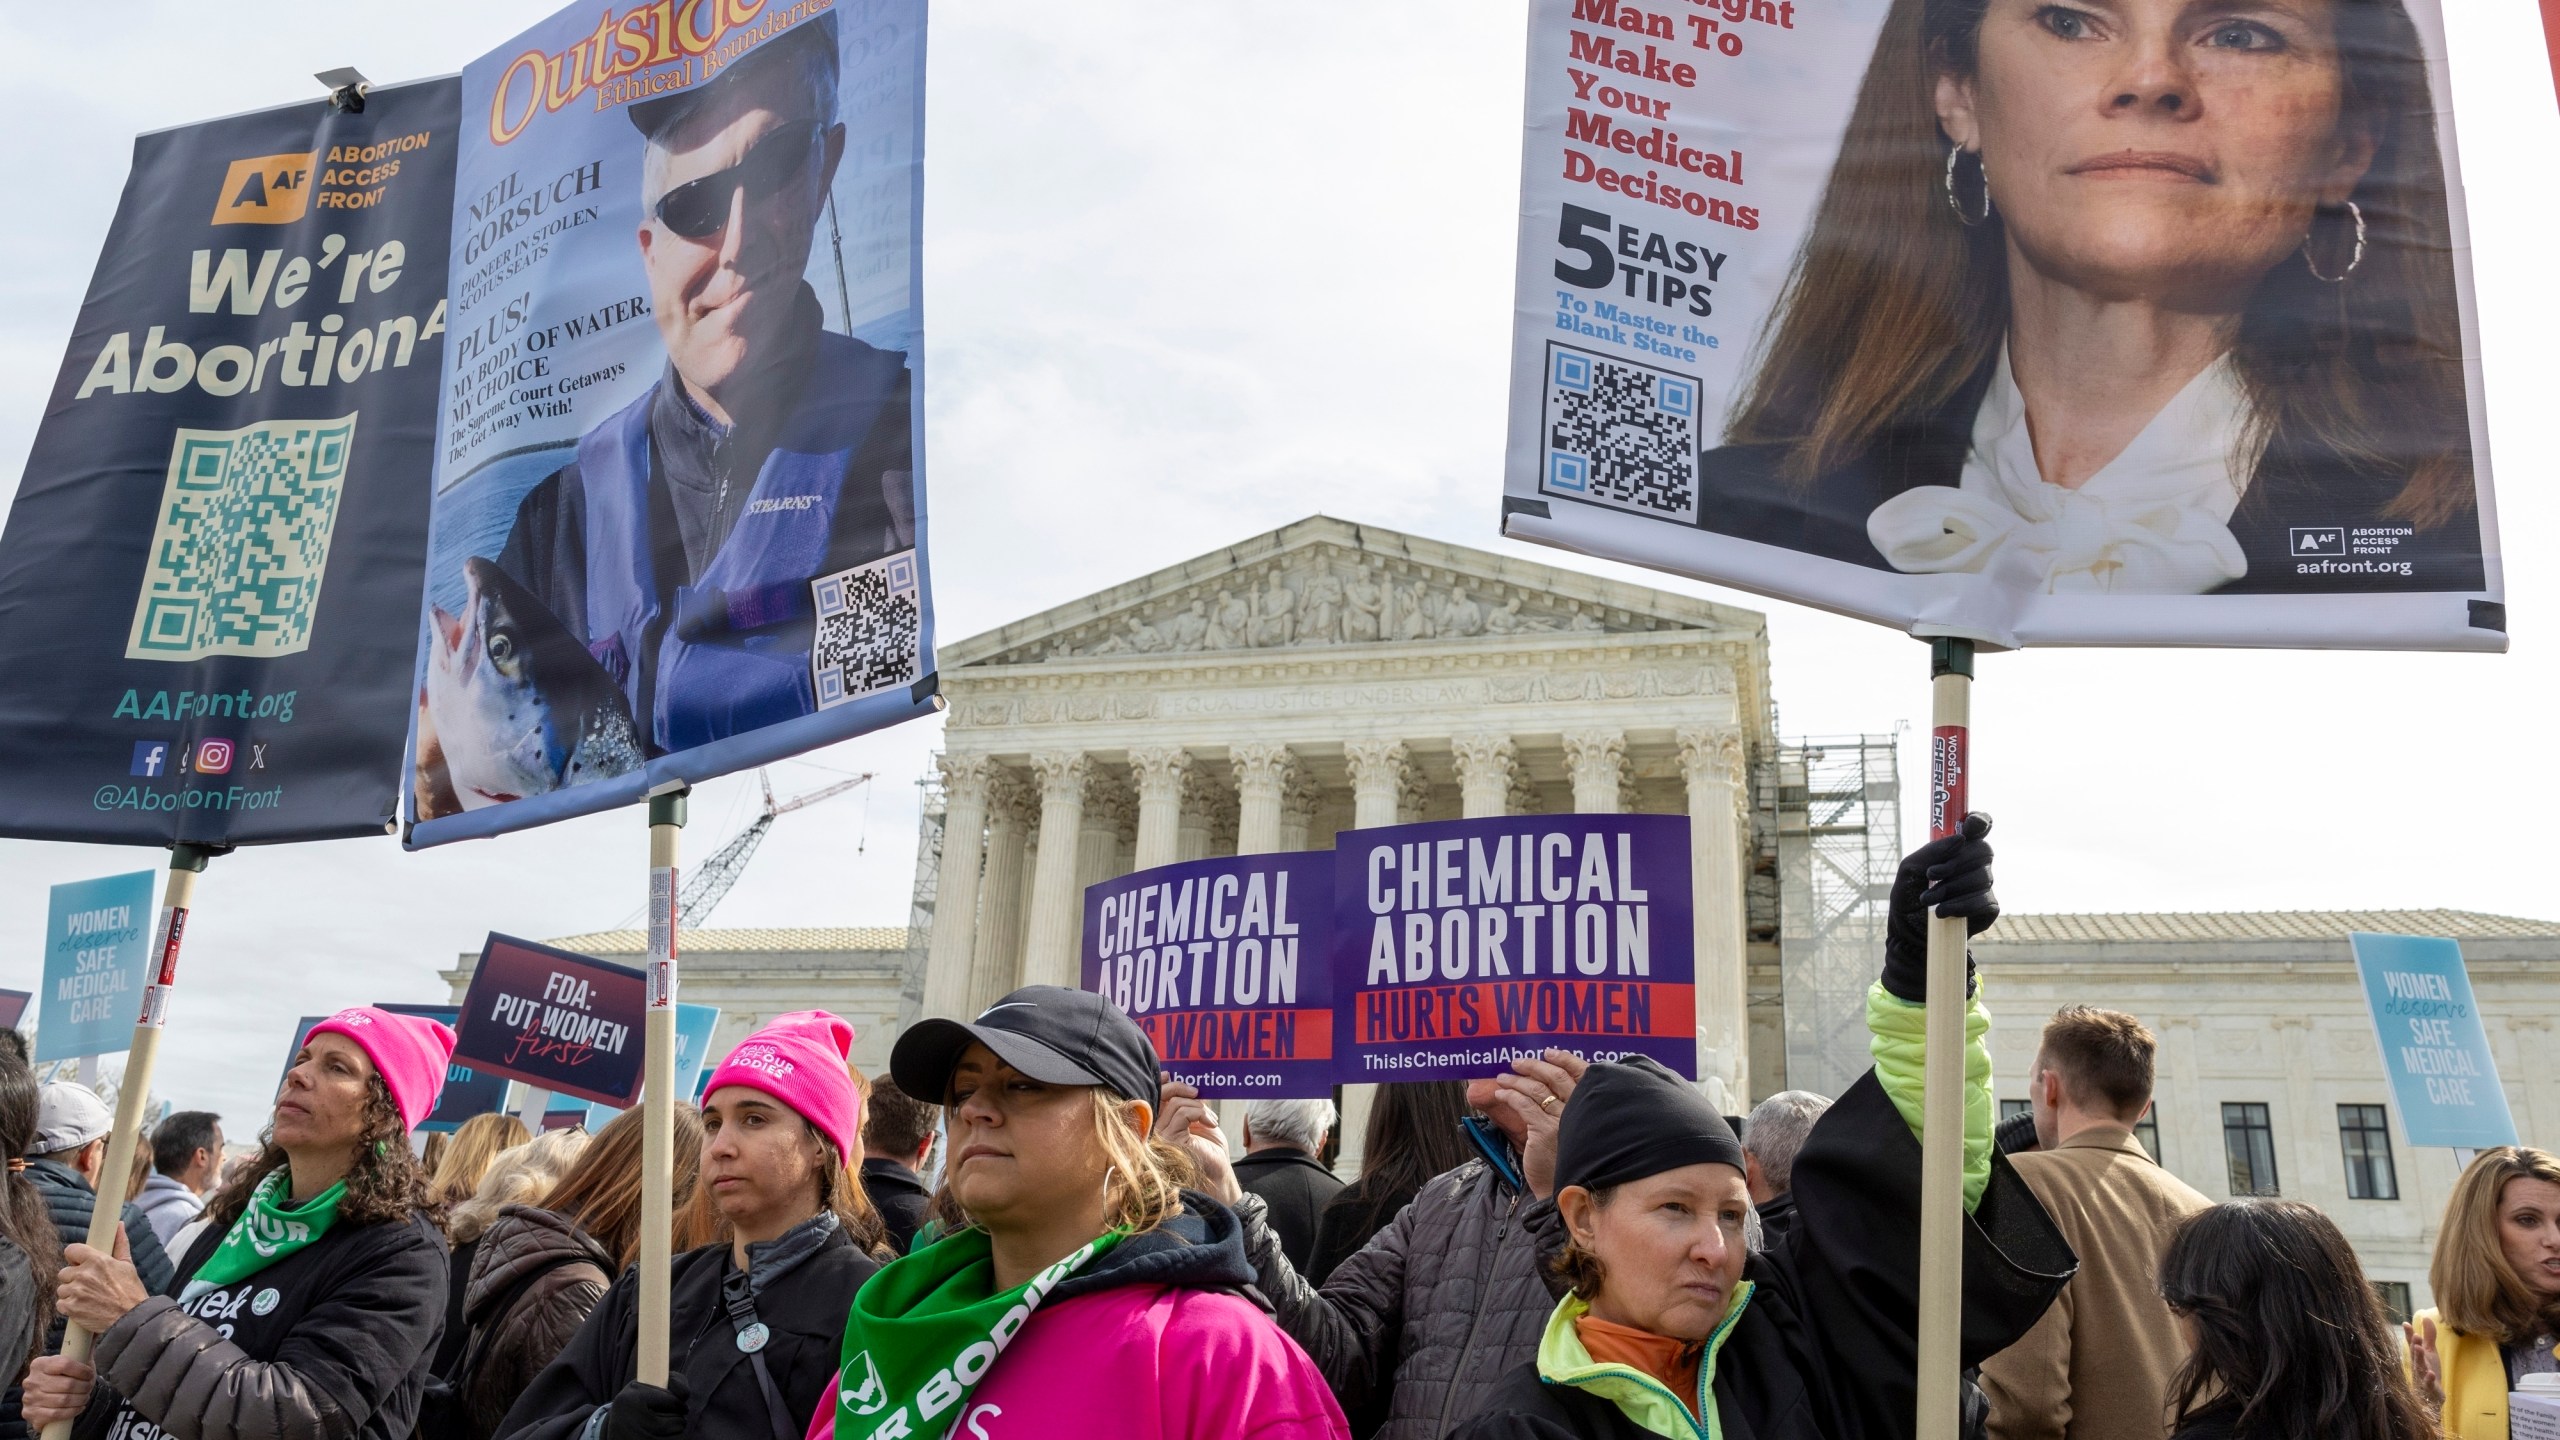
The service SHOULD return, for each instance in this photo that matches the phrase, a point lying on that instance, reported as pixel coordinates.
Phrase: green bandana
(927, 1328)
(266, 1232)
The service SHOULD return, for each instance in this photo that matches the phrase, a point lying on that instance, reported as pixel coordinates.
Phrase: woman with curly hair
(308, 1308)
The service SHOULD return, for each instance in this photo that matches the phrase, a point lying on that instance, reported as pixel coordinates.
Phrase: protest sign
(694, 1027)
(1224, 964)
(564, 1022)
(209, 578)
(13, 1006)
(1462, 945)
(2433, 1045)
(1764, 333)
(97, 956)
(679, 520)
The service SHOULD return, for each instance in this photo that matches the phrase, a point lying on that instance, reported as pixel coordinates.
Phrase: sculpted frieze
(1329, 597)
(1415, 694)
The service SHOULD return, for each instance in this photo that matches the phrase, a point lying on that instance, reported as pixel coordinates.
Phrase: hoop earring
(1955, 153)
(2355, 212)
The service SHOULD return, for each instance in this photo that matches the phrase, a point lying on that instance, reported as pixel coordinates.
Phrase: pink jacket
(1143, 1362)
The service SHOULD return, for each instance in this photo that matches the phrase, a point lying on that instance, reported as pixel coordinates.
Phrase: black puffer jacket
(1437, 1305)
(1826, 1344)
(330, 1342)
(803, 1283)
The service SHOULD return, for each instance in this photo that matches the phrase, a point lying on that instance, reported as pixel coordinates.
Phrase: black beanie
(1635, 1118)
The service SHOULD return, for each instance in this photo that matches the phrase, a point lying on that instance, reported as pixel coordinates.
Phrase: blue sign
(2433, 1045)
(97, 954)
(694, 1024)
(580, 645)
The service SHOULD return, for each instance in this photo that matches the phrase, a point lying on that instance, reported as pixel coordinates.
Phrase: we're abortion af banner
(1224, 964)
(1764, 334)
(209, 579)
(679, 520)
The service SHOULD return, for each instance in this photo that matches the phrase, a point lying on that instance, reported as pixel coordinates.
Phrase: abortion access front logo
(2319, 540)
(266, 190)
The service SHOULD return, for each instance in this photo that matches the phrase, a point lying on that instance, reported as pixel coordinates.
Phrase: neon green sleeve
(1897, 1033)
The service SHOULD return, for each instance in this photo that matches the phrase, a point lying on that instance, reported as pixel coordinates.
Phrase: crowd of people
(1026, 1229)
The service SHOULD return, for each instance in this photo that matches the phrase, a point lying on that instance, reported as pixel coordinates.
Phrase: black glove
(2015, 1135)
(1952, 877)
(645, 1412)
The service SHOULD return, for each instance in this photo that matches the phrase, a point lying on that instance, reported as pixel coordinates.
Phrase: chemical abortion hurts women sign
(1223, 963)
(1415, 951)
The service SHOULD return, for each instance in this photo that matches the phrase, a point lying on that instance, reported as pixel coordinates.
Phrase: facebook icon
(150, 757)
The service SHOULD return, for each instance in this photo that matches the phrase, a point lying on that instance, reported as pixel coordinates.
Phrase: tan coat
(2097, 1366)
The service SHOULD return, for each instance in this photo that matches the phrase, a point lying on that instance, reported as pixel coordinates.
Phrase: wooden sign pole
(133, 1093)
(658, 1083)
(1942, 1108)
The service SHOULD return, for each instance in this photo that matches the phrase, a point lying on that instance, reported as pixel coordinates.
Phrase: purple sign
(566, 1022)
(1462, 945)
(1225, 965)
(13, 1003)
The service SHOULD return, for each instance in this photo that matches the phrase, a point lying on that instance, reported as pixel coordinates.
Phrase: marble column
(1201, 795)
(1485, 764)
(1299, 801)
(996, 959)
(1378, 770)
(1263, 774)
(1597, 760)
(1108, 810)
(1049, 941)
(1159, 772)
(955, 897)
(1711, 761)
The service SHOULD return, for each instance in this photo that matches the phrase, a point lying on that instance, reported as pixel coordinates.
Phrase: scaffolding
(920, 909)
(1835, 805)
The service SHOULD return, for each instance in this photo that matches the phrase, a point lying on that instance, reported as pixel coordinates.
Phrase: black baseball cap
(1048, 1032)
(754, 72)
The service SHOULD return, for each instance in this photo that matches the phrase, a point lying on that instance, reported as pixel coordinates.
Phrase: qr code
(241, 540)
(1621, 434)
(870, 619)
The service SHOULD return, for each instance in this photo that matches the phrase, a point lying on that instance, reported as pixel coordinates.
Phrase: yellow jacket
(2475, 1382)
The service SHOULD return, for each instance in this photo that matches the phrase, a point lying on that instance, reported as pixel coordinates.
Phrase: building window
(2147, 1130)
(2012, 1109)
(2249, 1148)
(2364, 1136)
(2394, 1295)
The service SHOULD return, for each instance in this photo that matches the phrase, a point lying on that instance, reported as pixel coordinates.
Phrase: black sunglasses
(700, 207)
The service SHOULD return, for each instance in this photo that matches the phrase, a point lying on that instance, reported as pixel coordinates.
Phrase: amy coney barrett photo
(2148, 297)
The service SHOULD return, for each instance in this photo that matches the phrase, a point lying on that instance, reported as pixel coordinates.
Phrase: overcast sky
(1195, 271)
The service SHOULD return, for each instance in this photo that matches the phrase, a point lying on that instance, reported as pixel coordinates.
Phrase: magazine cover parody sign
(2131, 323)
(679, 512)
(210, 567)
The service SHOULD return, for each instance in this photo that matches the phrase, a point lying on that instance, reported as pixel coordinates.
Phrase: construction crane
(707, 885)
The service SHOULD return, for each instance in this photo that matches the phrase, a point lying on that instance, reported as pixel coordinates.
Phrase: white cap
(68, 1116)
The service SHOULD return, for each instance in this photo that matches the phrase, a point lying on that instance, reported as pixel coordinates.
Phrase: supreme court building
(1323, 677)
(1329, 676)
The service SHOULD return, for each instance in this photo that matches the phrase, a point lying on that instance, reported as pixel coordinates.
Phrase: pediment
(1324, 582)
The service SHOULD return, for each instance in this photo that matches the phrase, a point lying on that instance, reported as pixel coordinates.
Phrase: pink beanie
(409, 1052)
(801, 1059)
